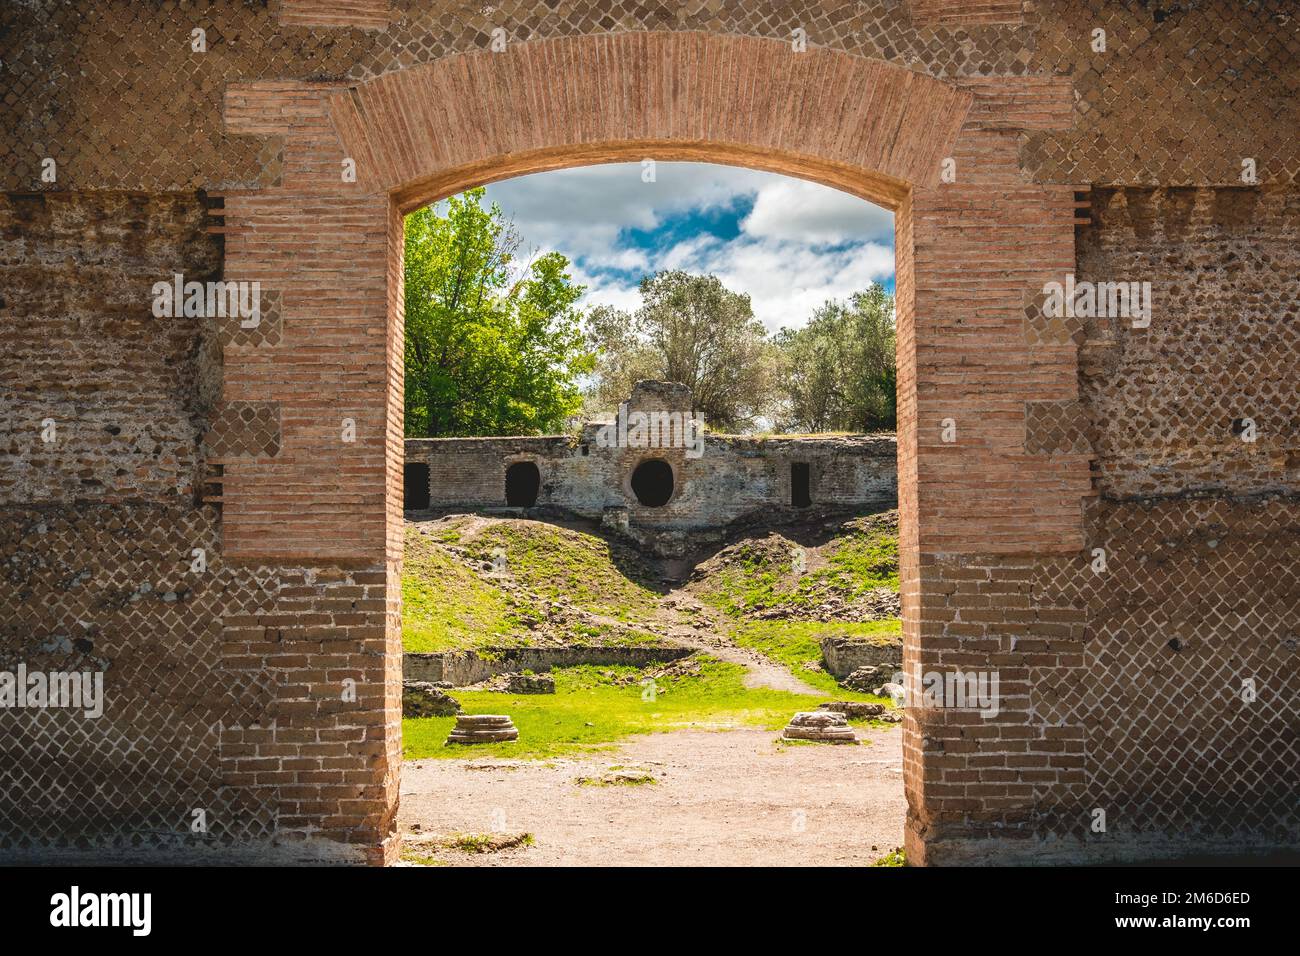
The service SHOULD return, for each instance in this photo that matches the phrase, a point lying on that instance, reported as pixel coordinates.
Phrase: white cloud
(626, 260)
(581, 211)
(800, 244)
(786, 281)
(602, 291)
(688, 253)
(800, 211)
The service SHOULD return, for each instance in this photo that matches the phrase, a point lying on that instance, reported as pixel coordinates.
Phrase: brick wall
(1121, 689)
(1219, 64)
(223, 693)
(223, 688)
(1125, 686)
(127, 394)
(1224, 342)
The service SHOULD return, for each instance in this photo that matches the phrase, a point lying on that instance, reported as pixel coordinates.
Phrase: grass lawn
(561, 563)
(862, 558)
(794, 643)
(448, 607)
(588, 711)
(445, 606)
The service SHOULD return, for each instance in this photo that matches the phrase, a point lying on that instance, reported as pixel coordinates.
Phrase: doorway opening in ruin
(679, 574)
(652, 482)
(415, 486)
(800, 485)
(523, 481)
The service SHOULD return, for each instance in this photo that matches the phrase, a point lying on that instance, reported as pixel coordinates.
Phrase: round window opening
(652, 483)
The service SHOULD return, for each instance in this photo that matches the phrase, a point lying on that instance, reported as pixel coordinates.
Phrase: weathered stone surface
(876, 604)
(459, 668)
(867, 679)
(122, 397)
(732, 477)
(842, 655)
(894, 691)
(820, 725)
(424, 699)
(1116, 122)
(853, 709)
(482, 729)
(530, 684)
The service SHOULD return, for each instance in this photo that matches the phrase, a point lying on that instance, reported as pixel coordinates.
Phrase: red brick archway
(970, 255)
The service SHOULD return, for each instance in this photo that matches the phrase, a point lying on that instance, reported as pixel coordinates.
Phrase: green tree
(839, 371)
(491, 349)
(689, 329)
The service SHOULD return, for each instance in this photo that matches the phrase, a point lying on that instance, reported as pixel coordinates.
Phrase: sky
(788, 243)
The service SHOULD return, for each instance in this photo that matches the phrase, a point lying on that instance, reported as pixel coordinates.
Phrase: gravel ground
(730, 798)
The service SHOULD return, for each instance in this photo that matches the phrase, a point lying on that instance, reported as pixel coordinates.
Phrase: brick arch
(970, 257)
(869, 127)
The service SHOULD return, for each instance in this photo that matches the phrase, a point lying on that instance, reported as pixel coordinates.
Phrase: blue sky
(788, 243)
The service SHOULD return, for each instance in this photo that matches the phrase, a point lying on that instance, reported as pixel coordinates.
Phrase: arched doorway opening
(969, 252)
(885, 181)
(523, 481)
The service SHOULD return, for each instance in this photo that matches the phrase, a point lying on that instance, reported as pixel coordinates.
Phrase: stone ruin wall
(731, 478)
(1124, 686)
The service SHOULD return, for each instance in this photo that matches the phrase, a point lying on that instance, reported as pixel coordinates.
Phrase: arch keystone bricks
(672, 95)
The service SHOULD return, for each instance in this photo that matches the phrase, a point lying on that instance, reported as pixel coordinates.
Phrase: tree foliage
(491, 348)
(839, 371)
(693, 330)
(494, 347)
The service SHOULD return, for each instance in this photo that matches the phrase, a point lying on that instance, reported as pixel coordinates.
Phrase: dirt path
(690, 623)
(731, 797)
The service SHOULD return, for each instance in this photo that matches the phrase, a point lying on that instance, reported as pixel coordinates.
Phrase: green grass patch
(864, 558)
(795, 643)
(445, 606)
(424, 850)
(762, 573)
(422, 858)
(618, 779)
(561, 563)
(486, 842)
(755, 579)
(895, 857)
(589, 710)
(601, 634)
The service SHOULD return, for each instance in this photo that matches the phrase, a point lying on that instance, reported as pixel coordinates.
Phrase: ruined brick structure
(659, 474)
(1106, 514)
